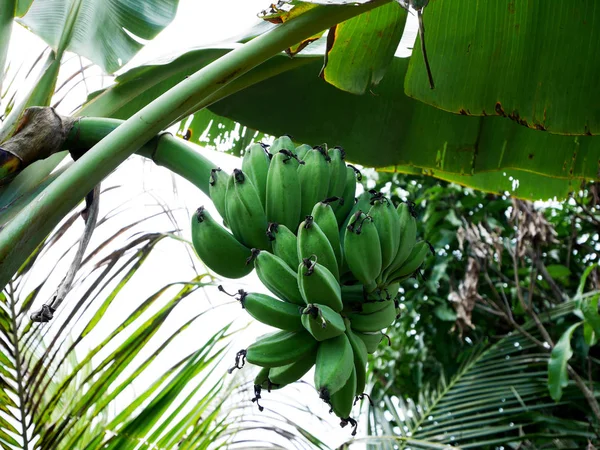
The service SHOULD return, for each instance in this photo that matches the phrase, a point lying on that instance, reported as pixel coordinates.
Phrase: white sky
(144, 186)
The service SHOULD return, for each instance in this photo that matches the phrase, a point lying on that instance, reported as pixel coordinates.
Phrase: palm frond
(68, 383)
(499, 396)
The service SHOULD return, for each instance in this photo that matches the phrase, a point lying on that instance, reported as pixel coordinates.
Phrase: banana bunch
(333, 262)
(272, 193)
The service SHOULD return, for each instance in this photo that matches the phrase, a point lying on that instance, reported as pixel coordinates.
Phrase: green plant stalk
(21, 236)
(7, 12)
(164, 150)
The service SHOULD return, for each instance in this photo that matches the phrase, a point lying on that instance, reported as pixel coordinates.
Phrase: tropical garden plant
(485, 103)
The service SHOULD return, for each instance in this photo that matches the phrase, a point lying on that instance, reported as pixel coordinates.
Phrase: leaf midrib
(20, 391)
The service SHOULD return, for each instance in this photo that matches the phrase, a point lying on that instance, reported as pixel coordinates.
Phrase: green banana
(391, 291)
(373, 306)
(324, 216)
(282, 143)
(408, 238)
(362, 251)
(263, 382)
(343, 210)
(363, 203)
(277, 276)
(270, 311)
(361, 358)
(293, 372)
(413, 262)
(314, 179)
(337, 172)
(284, 243)
(334, 366)
(217, 189)
(342, 401)
(302, 150)
(283, 190)
(371, 340)
(245, 213)
(322, 322)
(255, 165)
(353, 294)
(357, 301)
(312, 241)
(218, 248)
(317, 284)
(387, 224)
(374, 321)
(280, 348)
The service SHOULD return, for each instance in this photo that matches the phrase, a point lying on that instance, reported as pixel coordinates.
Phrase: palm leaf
(67, 383)
(499, 396)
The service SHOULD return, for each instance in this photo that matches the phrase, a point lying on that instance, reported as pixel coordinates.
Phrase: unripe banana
(317, 284)
(302, 150)
(362, 251)
(357, 301)
(353, 294)
(270, 311)
(371, 340)
(408, 238)
(343, 400)
(324, 216)
(245, 213)
(293, 372)
(262, 381)
(342, 211)
(337, 172)
(282, 143)
(373, 306)
(277, 276)
(280, 348)
(284, 243)
(361, 358)
(334, 366)
(387, 224)
(322, 322)
(255, 165)
(314, 179)
(363, 203)
(218, 248)
(283, 190)
(391, 291)
(374, 321)
(217, 189)
(312, 241)
(413, 262)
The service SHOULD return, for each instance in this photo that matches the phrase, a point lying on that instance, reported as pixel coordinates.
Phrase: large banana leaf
(532, 61)
(499, 396)
(107, 32)
(383, 129)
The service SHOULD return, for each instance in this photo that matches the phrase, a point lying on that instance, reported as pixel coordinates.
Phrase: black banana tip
(240, 361)
(253, 254)
(239, 176)
(200, 214)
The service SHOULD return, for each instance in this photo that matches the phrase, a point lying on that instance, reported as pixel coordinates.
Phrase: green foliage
(557, 365)
(99, 30)
(498, 396)
(430, 341)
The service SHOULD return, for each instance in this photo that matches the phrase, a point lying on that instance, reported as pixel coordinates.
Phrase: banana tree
(347, 87)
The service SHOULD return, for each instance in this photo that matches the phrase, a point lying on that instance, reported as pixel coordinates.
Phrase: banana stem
(28, 229)
(164, 150)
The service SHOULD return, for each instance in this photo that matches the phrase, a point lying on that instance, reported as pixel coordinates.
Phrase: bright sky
(144, 187)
